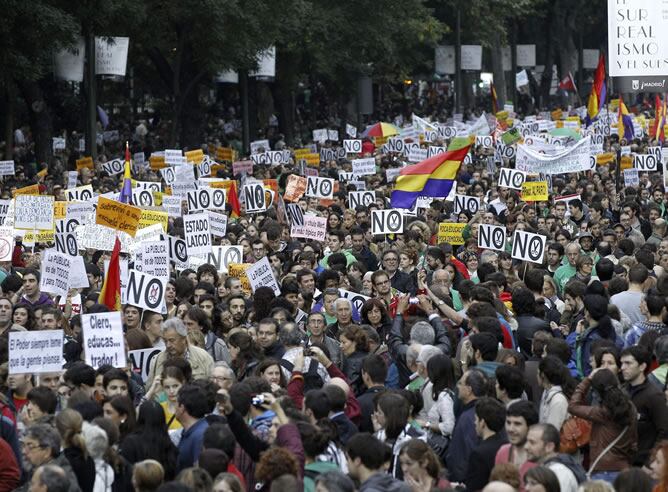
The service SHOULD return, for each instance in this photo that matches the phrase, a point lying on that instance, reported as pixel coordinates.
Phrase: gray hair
(423, 333)
(350, 304)
(487, 255)
(426, 353)
(53, 478)
(96, 439)
(47, 437)
(412, 353)
(335, 481)
(290, 335)
(175, 324)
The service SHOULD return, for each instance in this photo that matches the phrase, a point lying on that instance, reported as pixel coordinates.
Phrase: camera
(257, 400)
(308, 352)
(413, 301)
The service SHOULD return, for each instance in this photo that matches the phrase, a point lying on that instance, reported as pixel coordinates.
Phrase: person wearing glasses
(401, 281)
(41, 446)
(316, 335)
(222, 375)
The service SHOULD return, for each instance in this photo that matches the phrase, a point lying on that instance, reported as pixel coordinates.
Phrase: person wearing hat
(586, 241)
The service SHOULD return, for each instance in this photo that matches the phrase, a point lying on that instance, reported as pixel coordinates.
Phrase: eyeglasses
(220, 378)
(390, 259)
(30, 446)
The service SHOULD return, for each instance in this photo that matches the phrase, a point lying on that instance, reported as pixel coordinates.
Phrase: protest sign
(313, 228)
(260, 274)
(218, 223)
(103, 339)
(451, 232)
(351, 131)
(319, 187)
(511, 178)
(172, 204)
(34, 352)
(355, 298)
(80, 193)
(6, 168)
(155, 258)
(254, 197)
(113, 167)
(364, 167)
(6, 243)
(387, 222)
(360, 198)
(534, 191)
(72, 177)
(198, 233)
(352, 146)
(238, 270)
(645, 162)
(222, 256)
(141, 361)
(33, 212)
(631, 177)
(206, 199)
(146, 291)
(119, 216)
(491, 237)
(294, 213)
(66, 242)
(466, 203)
(85, 163)
(56, 270)
(528, 246)
(569, 160)
(242, 167)
(153, 217)
(26, 190)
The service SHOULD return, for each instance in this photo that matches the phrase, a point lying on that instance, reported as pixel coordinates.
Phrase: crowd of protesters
(459, 369)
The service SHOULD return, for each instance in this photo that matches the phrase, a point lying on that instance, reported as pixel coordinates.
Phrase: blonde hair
(69, 423)
(147, 475)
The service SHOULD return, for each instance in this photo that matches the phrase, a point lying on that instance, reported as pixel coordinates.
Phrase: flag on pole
(110, 294)
(233, 201)
(624, 121)
(432, 177)
(568, 83)
(126, 190)
(598, 94)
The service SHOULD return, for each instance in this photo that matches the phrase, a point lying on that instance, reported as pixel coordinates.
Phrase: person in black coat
(337, 398)
(524, 307)
(399, 280)
(354, 348)
(491, 418)
(374, 373)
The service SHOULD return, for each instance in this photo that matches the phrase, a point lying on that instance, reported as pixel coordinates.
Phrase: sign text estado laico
(116, 215)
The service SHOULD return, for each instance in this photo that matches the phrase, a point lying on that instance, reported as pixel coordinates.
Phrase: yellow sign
(217, 167)
(59, 210)
(301, 153)
(606, 158)
(117, 215)
(27, 190)
(150, 217)
(194, 156)
(556, 114)
(32, 237)
(502, 115)
(312, 160)
(157, 198)
(451, 232)
(238, 270)
(626, 163)
(225, 154)
(43, 172)
(85, 162)
(534, 191)
(157, 162)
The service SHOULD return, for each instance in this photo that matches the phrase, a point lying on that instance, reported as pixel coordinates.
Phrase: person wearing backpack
(542, 447)
(315, 440)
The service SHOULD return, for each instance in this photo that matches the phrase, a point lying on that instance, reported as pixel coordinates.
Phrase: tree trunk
(284, 87)
(499, 74)
(41, 123)
(9, 121)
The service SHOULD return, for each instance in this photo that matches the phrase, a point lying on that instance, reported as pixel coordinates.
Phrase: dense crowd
(387, 362)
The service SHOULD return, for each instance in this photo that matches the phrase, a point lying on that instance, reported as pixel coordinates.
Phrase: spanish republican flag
(233, 201)
(598, 94)
(110, 295)
(624, 122)
(432, 177)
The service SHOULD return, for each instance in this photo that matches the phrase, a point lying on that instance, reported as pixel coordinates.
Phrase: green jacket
(349, 256)
(312, 470)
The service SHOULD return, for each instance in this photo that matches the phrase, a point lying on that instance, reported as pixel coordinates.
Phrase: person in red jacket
(9, 468)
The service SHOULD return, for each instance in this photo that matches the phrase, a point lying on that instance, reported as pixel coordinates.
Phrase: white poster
(198, 233)
(444, 60)
(146, 291)
(103, 339)
(364, 167)
(570, 160)
(218, 223)
(222, 256)
(260, 274)
(68, 64)
(320, 187)
(528, 246)
(33, 212)
(637, 39)
(155, 258)
(6, 243)
(33, 352)
(266, 64)
(491, 237)
(511, 178)
(387, 222)
(313, 228)
(526, 55)
(141, 360)
(56, 270)
(590, 59)
(172, 204)
(111, 55)
(6, 168)
(471, 57)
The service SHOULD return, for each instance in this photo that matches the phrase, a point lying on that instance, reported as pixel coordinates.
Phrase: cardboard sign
(172, 204)
(466, 203)
(319, 187)
(260, 274)
(206, 199)
(33, 212)
(7, 168)
(387, 222)
(511, 178)
(222, 257)
(155, 258)
(254, 197)
(364, 167)
(114, 166)
(141, 361)
(492, 237)
(146, 291)
(352, 146)
(80, 193)
(535, 191)
(313, 228)
(645, 162)
(103, 339)
(119, 216)
(218, 223)
(85, 162)
(197, 233)
(528, 246)
(66, 243)
(6, 243)
(34, 352)
(360, 198)
(56, 270)
(451, 232)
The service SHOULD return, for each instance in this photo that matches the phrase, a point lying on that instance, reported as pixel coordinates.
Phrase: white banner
(526, 55)
(111, 55)
(471, 58)
(56, 269)
(68, 64)
(313, 228)
(444, 59)
(103, 339)
(33, 212)
(260, 274)
(570, 160)
(33, 352)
